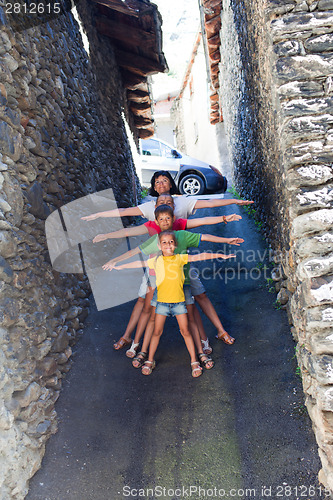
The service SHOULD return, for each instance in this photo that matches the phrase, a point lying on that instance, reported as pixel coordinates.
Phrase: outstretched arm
(209, 256)
(203, 221)
(122, 233)
(117, 212)
(222, 202)
(218, 239)
(111, 264)
(132, 265)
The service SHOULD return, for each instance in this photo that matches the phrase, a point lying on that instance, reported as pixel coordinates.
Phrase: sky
(181, 21)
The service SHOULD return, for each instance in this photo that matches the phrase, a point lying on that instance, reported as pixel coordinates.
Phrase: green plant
(277, 304)
(144, 192)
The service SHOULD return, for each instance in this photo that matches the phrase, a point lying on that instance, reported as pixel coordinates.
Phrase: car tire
(192, 185)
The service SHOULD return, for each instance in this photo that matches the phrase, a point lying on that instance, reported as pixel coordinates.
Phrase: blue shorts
(196, 286)
(187, 292)
(171, 309)
(144, 285)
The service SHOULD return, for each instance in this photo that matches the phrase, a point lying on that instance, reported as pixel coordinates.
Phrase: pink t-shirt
(153, 228)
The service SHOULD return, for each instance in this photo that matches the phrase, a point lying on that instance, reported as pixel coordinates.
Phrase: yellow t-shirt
(169, 277)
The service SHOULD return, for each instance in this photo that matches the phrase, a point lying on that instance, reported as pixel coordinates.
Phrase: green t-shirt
(185, 240)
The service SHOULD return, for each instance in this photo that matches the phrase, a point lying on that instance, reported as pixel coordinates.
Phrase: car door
(156, 155)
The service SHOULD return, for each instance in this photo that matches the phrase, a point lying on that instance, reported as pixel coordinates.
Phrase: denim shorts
(171, 309)
(196, 286)
(144, 285)
(189, 299)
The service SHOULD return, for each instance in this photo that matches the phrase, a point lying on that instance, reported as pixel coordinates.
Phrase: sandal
(227, 339)
(122, 342)
(206, 347)
(197, 369)
(131, 352)
(205, 361)
(148, 367)
(139, 359)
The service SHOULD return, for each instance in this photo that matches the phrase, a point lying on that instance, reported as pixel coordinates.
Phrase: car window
(166, 151)
(150, 147)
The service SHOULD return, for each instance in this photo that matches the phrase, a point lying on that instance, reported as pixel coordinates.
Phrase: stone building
(271, 66)
(62, 136)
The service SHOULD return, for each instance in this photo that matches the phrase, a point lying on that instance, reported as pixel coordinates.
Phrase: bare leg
(139, 359)
(208, 362)
(184, 330)
(144, 317)
(131, 324)
(155, 339)
(198, 321)
(137, 309)
(210, 312)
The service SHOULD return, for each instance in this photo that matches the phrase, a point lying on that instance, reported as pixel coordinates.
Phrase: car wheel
(192, 185)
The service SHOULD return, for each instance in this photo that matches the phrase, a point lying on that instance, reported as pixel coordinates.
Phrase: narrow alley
(241, 426)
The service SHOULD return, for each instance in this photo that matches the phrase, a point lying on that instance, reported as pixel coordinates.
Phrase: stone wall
(276, 90)
(61, 137)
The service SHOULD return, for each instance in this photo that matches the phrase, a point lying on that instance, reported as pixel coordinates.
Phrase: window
(150, 147)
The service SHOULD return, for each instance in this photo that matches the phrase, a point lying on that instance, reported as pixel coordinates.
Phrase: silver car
(192, 177)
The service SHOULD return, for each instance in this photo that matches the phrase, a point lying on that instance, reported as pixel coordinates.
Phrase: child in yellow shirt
(170, 295)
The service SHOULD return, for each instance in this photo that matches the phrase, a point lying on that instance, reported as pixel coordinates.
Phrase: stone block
(10, 141)
(32, 393)
(300, 88)
(302, 107)
(307, 128)
(61, 342)
(9, 311)
(309, 175)
(306, 67)
(321, 342)
(322, 43)
(319, 367)
(293, 24)
(315, 267)
(319, 318)
(312, 223)
(325, 5)
(304, 200)
(6, 272)
(314, 246)
(322, 290)
(47, 366)
(288, 48)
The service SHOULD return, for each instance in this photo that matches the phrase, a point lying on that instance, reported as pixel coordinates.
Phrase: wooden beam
(140, 106)
(125, 33)
(119, 6)
(138, 64)
(138, 96)
(142, 122)
(133, 81)
(145, 133)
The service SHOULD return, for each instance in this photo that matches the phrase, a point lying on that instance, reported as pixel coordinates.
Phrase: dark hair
(165, 173)
(163, 209)
(168, 231)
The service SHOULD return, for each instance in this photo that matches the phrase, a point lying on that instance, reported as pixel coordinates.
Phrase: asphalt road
(240, 431)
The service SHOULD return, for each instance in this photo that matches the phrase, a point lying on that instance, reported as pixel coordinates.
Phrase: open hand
(230, 256)
(109, 266)
(90, 217)
(100, 237)
(244, 202)
(232, 217)
(235, 241)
